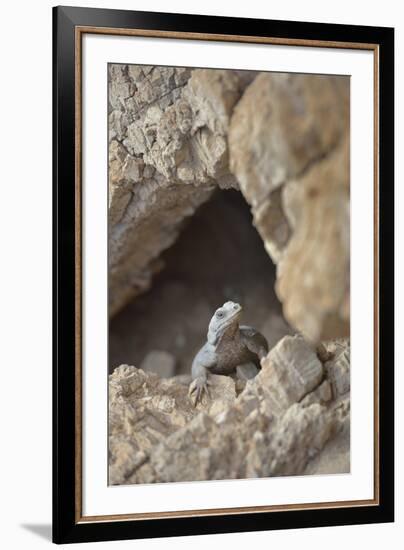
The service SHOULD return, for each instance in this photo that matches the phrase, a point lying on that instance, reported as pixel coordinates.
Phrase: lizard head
(225, 317)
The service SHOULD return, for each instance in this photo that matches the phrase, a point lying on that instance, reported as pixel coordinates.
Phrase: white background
(25, 289)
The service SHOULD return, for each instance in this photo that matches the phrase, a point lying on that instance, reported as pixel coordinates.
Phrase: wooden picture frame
(70, 24)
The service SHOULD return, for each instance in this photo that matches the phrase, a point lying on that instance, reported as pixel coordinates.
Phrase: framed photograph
(223, 275)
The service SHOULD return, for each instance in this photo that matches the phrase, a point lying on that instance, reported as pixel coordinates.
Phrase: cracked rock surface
(282, 140)
(168, 152)
(289, 149)
(292, 418)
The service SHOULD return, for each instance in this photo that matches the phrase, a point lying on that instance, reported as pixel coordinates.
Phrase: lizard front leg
(200, 383)
(204, 360)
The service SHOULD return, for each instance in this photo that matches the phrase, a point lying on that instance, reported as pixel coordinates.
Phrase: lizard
(230, 349)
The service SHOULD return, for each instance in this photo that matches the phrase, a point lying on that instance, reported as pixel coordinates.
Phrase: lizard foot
(199, 386)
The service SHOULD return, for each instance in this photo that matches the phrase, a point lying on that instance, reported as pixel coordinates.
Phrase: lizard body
(230, 349)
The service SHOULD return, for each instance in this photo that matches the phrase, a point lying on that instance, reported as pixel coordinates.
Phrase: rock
(338, 368)
(297, 437)
(313, 281)
(289, 148)
(283, 123)
(322, 394)
(143, 410)
(168, 152)
(184, 379)
(159, 362)
(278, 425)
(335, 456)
(289, 372)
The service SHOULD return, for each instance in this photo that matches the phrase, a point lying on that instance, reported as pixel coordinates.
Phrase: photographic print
(229, 274)
(223, 275)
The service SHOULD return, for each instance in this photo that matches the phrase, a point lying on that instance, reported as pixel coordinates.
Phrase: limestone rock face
(289, 149)
(289, 372)
(145, 409)
(282, 124)
(167, 153)
(313, 274)
(278, 425)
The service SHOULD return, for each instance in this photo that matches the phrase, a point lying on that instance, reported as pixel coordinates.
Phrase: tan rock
(338, 368)
(289, 372)
(168, 152)
(283, 123)
(313, 274)
(289, 148)
(278, 425)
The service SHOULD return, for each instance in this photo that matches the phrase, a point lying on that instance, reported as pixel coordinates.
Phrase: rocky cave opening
(281, 142)
(218, 256)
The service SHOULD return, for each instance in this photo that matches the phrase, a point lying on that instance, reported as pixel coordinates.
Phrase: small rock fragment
(338, 369)
(321, 395)
(159, 362)
(289, 372)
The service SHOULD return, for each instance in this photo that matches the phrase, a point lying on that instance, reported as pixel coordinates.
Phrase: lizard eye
(219, 314)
